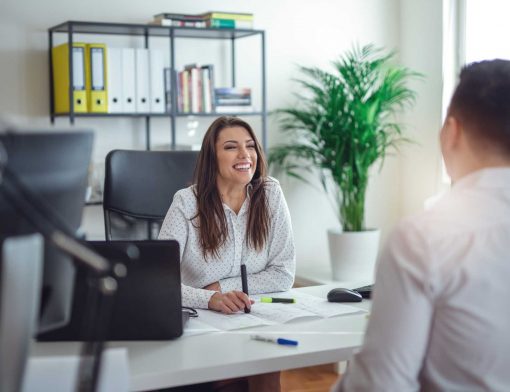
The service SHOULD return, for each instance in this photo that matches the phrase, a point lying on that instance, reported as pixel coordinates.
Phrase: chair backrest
(139, 188)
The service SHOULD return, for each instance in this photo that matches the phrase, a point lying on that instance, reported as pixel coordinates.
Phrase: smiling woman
(233, 214)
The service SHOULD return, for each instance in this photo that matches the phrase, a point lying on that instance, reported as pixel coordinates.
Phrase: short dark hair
(481, 102)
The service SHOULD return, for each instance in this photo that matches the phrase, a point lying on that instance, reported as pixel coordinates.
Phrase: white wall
(297, 32)
(421, 48)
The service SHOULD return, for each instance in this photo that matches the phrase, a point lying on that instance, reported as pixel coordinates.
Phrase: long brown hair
(210, 218)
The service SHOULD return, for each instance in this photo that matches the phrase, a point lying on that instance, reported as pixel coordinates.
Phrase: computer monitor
(53, 167)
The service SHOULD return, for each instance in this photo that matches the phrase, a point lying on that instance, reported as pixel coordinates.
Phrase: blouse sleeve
(281, 256)
(176, 227)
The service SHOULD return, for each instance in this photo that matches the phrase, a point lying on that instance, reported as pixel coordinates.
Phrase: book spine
(232, 91)
(221, 23)
(228, 15)
(168, 89)
(180, 23)
(229, 24)
(178, 86)
(194, 90)
(185, 91)
(234, 109)
(211, 87)
(206, 90)
(193, 18)
(233, 101)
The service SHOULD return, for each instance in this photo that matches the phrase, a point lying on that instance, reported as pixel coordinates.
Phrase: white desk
(223, 355)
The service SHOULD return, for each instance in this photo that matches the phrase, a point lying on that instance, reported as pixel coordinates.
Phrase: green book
(222, 23)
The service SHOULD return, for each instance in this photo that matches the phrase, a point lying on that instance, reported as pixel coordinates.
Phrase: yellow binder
(60, 61)
(97, 89)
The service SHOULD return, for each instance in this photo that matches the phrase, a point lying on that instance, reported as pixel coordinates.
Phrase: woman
(233, 214)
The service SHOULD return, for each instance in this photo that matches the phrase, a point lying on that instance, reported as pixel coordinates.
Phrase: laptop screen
(147, 304)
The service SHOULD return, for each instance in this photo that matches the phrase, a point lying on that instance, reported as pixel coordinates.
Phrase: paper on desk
(307, 307)
(228, 322)
(196, 327)
(281, 313)
(319, 306)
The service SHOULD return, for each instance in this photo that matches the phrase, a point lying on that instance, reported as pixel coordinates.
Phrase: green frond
(343, 122)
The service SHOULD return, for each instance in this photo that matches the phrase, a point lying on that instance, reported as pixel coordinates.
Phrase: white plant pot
(353, 254)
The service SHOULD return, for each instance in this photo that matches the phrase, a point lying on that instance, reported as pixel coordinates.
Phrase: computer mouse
(344, 295)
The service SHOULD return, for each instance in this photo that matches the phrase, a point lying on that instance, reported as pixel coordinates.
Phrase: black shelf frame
(172, 32)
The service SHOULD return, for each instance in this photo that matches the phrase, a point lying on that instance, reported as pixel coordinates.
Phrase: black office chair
(139, 188)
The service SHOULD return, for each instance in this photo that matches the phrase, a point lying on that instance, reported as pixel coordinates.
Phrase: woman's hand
(231, 302)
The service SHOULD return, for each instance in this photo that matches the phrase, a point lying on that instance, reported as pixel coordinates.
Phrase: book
(195, 89)
(307, 307)
(208, 87)
(229, 24)
(237, 92)
(184, 78)
(234, 109)
(179, 23)
(233, 101)
(227, 15)
(167, 75)
(174, 16)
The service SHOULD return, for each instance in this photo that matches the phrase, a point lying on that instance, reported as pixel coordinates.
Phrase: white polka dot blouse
(270, 270)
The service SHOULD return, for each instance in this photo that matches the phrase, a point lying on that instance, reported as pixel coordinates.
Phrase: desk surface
(221, 355)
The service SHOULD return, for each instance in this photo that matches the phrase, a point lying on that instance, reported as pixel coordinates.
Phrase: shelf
(112, 115)
(69, 29)
(156, 114)
(219, 114)
(151, 30)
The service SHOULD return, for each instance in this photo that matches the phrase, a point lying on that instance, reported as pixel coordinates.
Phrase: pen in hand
(244, 282)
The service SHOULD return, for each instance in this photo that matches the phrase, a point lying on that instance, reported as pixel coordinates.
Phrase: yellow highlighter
(277, 300)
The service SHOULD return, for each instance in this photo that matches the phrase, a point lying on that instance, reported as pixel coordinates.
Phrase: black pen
(244, 282)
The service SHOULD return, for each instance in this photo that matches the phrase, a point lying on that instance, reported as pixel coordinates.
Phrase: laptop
(147, 304)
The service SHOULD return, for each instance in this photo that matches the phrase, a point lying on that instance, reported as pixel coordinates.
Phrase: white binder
(157, 85)
(142, 81)
(128, 80)
(114, 83)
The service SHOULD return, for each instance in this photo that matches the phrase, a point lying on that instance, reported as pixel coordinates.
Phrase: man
(441, 314)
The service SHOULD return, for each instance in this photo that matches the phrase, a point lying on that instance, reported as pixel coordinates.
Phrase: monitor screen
(53, 167)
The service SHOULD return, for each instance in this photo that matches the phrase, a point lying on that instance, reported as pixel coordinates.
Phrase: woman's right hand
(230, 302)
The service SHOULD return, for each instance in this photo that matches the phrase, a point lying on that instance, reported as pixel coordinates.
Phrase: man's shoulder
(446, 211)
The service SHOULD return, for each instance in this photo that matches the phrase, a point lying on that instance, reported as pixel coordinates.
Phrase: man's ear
(451, 134)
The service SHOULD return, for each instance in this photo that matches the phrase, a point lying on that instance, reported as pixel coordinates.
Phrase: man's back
(469, 270)
(448, 271)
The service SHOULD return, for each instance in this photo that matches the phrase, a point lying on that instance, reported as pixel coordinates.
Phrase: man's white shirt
(441, 314)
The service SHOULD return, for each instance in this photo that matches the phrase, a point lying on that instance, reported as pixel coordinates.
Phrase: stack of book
(195, 89)
(232, 100)
(212, 19)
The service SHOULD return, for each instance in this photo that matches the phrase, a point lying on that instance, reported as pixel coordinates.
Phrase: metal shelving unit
(172, 33)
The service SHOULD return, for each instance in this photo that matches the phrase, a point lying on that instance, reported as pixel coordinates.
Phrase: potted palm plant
(344, 121)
